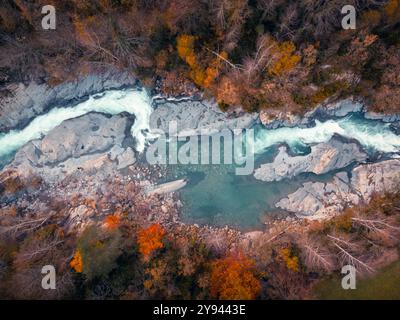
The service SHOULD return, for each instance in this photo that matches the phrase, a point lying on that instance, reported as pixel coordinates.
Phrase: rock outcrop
(381, 116)
(318, 200)
(375, 178)
(167, 187)
(27, 101)
(273, 119)
(87, 143)
(324, 157)
(193, 116)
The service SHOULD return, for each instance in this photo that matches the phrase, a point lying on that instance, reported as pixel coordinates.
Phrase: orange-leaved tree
(232, 278)
(77, 262)
(150, 239)
(111, 222)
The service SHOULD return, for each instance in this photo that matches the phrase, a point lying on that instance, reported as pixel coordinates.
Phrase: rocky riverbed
(323, 200)
(323, 158)
(100, 147)
(22, 102)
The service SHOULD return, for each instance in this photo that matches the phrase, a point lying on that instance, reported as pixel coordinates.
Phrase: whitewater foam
(112, 102)
(373, 135)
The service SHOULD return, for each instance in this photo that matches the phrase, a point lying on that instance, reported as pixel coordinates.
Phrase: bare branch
(222, 58)
(317, 258)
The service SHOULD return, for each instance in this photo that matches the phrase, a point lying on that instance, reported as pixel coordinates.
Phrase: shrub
(290, 259)
(97, 252)
(150, 239)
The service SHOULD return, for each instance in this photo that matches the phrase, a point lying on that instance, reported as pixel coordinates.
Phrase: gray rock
(273, 119)
(28, 101)
(341, 108)
(317, 200)
(126, 158)
(193, 116)
(87, 143)
(381, 116)
(92, 133)
(377, 177)
(324, 157)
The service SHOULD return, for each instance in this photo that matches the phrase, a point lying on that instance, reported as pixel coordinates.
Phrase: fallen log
(167, 187)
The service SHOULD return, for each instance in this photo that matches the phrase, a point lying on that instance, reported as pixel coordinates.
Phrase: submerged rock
(324, 157)
(317, 200)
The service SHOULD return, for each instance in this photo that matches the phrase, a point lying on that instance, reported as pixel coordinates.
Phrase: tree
(233, 278)
(111, 222)
(228, 92)
(229, 17)
(291, 260)
(76, 262)
(286, 59)
(203, 77)
(185, 48)
(150, 239)
(97, 252)
(392, 10)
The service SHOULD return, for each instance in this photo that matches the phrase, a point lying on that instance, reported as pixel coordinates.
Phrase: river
(215, 195)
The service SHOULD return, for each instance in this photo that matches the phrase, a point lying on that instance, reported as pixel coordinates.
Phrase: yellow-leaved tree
(285, 58)
(202, 76)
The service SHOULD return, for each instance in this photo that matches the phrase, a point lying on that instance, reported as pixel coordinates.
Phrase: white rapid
(373, 135)
(111, 102)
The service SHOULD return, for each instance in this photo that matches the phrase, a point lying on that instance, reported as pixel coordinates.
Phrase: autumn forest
(106, 234)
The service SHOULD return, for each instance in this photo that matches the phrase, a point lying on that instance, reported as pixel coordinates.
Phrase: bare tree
(268, 7)
(262, 58)
(317, 257)
(25, 225)
(346, 253)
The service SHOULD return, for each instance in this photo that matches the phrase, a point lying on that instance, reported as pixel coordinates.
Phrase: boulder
(26, 101)
(192, 117)
(318, 200)
(324, 157)
(375, 177)
(273, 119)
(87, 143)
